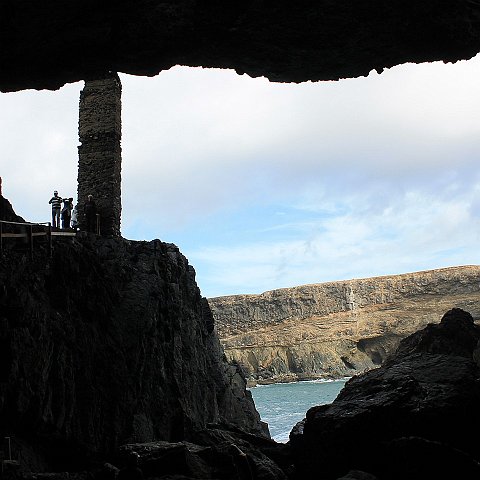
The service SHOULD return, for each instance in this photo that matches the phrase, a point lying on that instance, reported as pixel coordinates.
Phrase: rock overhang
(45, 45)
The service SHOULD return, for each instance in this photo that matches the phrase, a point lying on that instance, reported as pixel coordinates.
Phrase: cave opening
(267, 185)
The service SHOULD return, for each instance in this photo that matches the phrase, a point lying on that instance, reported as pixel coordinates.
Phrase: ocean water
(282, 405)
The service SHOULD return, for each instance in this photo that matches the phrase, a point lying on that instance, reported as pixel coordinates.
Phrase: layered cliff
(338, 328)
(106, 342)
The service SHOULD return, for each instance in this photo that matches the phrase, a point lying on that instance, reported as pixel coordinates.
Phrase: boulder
(415, 417)
(211, 453)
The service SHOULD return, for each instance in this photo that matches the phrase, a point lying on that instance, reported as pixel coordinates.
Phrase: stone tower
(100, 152)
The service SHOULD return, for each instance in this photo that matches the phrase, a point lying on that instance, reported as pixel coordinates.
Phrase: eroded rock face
(415, 417)
(338, 328)
(108, 342)
(212, 453)
(308, 40)
(6, 211)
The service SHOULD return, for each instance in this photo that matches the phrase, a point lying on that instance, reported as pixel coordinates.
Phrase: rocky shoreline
(292, 379)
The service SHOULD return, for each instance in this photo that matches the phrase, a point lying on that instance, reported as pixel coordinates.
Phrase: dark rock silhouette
(415, 417)
(7, 213)
(211, 453)
(109, 342)
(311, 40)
(107, 348)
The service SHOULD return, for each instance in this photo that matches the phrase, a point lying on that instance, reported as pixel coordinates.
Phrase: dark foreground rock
(6, 211)
(107, 348)
(108, 342)
(416, 417)
(212, 453)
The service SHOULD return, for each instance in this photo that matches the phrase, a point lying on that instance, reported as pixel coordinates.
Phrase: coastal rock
(340, 328)
(211, 453)
(285, 42)
(7, 213)
(107, 342)
(415, 417)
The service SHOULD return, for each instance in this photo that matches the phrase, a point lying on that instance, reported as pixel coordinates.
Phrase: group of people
(69, 214)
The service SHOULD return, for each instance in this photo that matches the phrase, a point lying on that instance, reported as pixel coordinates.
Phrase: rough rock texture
(337, 328)
(7, 213)
(212, 453)
(108, 342)
(416, 417)
(100, 153)
(47, 44)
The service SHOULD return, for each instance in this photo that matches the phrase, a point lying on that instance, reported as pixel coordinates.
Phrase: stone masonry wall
(100, 153)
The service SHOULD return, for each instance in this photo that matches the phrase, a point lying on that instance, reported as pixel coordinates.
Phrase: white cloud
(266, 185)
(412, 234)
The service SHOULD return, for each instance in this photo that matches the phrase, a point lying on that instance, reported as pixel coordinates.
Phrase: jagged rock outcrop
(7, 212)
(337, 329)
(212, 453)
(107, 342)
(416, 417)
(284, 41)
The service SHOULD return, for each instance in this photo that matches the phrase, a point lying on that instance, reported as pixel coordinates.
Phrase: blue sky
(266, 185)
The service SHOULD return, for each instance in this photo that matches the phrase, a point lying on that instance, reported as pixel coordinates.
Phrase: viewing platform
(29, 231)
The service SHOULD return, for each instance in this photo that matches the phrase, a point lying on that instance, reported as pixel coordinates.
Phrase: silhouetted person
(74, 217)
(90, 211)
(132, 471)
(66, 212)
(56, 203)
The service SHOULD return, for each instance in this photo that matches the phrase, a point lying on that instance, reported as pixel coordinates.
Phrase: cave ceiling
(45, 44)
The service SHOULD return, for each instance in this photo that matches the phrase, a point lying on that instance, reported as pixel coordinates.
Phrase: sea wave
(315, 380)
(282, 405)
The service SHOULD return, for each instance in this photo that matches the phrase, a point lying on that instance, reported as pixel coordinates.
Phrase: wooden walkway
(29, 231)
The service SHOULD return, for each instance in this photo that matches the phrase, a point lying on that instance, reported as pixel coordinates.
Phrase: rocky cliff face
(338, 328)
(6, 211)
(108, 341)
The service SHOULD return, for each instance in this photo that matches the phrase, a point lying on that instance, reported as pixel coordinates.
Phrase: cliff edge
(108, 341)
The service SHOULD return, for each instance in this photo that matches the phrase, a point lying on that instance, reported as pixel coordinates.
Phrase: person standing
(74, 217)
(90, 211)
(56, 203)
(66, 212)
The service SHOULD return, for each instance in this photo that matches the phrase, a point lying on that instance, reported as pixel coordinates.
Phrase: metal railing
(8, 463)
